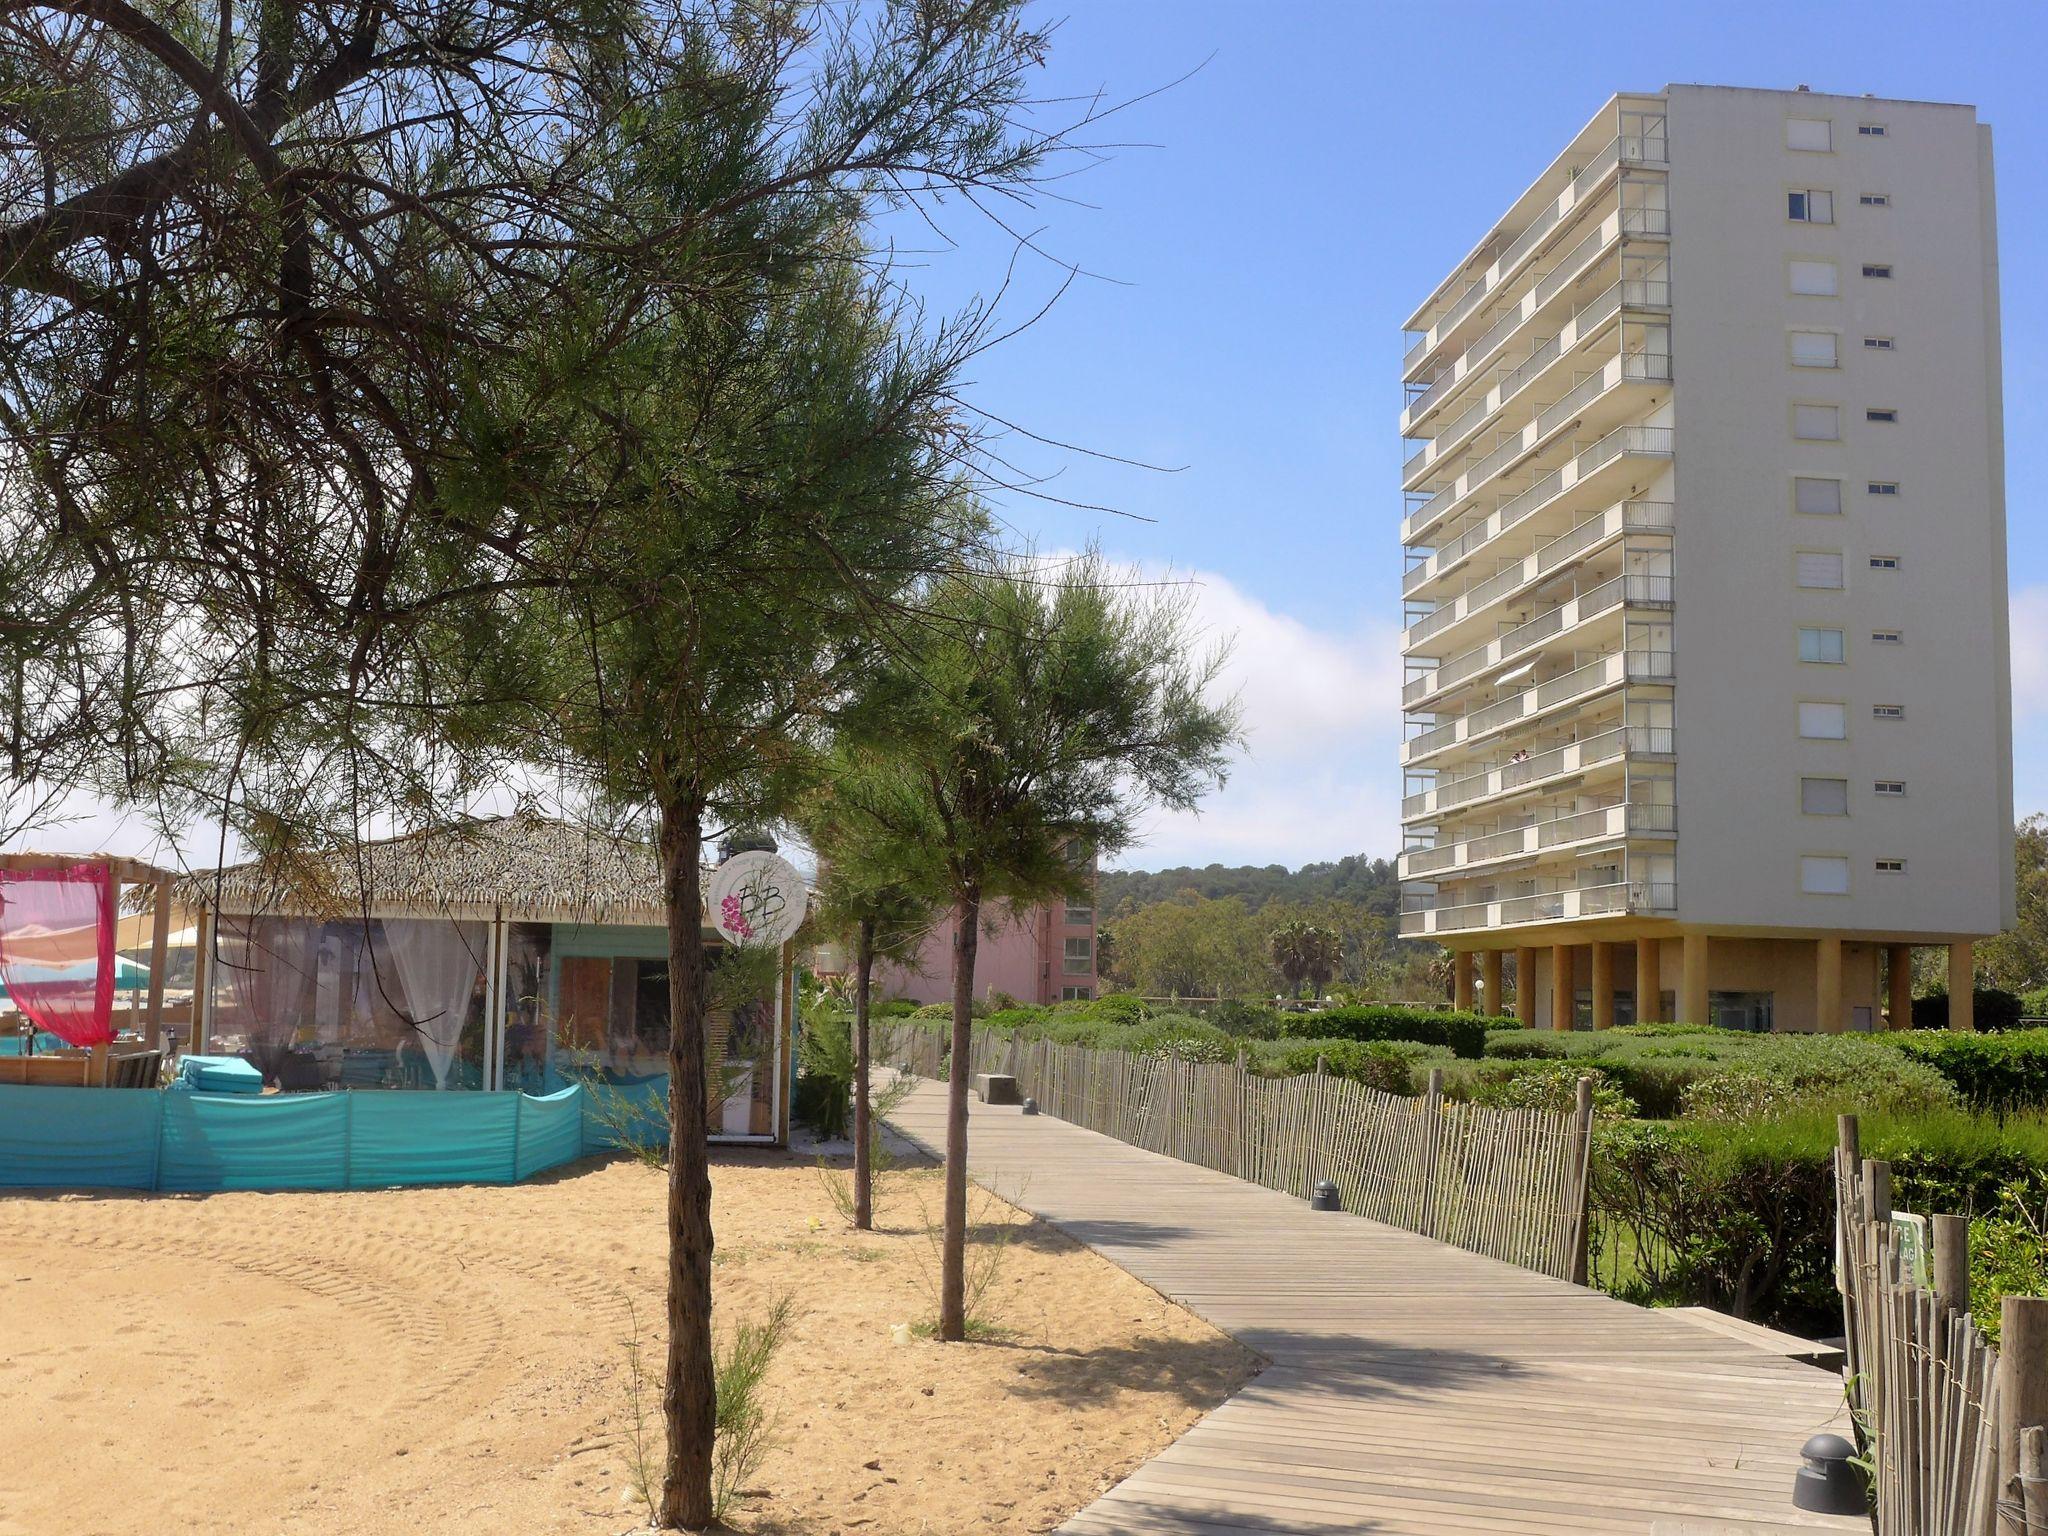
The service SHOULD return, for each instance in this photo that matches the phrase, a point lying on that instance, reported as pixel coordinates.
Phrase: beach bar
(517, 954)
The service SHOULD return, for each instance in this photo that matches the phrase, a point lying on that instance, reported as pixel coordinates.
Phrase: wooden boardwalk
(1413, 1387)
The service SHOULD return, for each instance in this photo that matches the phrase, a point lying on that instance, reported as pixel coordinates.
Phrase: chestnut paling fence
(1950, 1426)
(1510, 1184)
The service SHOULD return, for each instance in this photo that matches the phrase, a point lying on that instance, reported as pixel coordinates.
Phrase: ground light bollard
(2022, 1407)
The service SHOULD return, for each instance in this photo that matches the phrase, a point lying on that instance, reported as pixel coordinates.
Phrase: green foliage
(1464, 1033)
(823, 1096)
(893, 1008)
(1535, 1084)
(1389, 1066)
(1118, 1008)
(745, 1431)
(1998, 1072)
(2018, 958)
(932, 1011)
(2009, 1250)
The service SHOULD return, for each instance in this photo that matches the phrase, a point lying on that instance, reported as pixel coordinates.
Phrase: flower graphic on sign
(732, 918)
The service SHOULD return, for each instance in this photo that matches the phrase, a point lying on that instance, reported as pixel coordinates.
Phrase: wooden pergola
(138, 876)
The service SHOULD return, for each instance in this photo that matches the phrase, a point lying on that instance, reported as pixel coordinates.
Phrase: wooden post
(159, 960)
(1525, 985)
(2022, 1383)
(1877, 1184)
(1898, 986)
(1848, 1139)
(1603, 984)
(1649, 983)
(202, 986)
(2034, 1478)
(1581, 1255)
(1564, 992)
(1432, 1107)
(1489, 978)
(1962, 989)
(1951, 1243)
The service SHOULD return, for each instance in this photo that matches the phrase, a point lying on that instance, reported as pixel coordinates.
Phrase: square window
(1821, 645)
(1813, 349)
(1817, 423)
(1824, 797)
(1881, 413)
(1870, 130)
(1888, 711)
(1878, 344)
(1810, 207)
(1823, 722)
(1884, 562)
(1883, 487)
(1812, 133)
(1080, 953)
(1824, 875)
(1886, 637)
(1890, 787)
(1079, 915)
(1815, 279)
(1877, 269)
(1819, 568)
(1875, 199)
(1816, 497)
(1076, 994)
(1891, 866)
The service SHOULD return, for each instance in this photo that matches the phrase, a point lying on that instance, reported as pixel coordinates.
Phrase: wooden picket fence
(1510, 1184)
(1950, 1429)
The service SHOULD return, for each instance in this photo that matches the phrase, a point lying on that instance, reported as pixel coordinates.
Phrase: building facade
(1040, 955)
(1706, 664)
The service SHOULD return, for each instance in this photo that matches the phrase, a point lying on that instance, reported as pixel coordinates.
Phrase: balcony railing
(1644, 590)
(1632, 896)
(1558, 832)
(1554, 762)
(1629, 149)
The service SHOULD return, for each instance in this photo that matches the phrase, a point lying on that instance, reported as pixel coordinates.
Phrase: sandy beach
(455, 1360)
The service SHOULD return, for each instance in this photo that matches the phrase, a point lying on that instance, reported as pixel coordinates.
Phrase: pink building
(1040, 955)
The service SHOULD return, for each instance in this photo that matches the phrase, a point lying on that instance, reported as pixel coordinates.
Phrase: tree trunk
(688, 1399)
(953, 1257)
(863, 1162)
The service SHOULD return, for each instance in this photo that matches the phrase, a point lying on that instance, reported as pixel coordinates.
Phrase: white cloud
(1322, 714)
(2029, 655)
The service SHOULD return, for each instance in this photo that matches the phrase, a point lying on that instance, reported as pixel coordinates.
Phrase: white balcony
(1568, 690)
(1557, 835)
(1595, 534)
(1540, 770)
(1624, 898)
(1632, 150)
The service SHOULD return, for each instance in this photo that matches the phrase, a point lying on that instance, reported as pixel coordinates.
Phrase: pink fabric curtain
(57, 949)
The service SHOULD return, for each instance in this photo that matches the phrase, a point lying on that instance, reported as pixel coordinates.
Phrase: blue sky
(1275, 217)
(1251, 252)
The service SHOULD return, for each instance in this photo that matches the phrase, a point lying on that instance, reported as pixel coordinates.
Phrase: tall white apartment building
(1707, 677)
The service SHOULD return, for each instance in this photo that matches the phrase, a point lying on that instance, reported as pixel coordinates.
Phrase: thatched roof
(530, 865)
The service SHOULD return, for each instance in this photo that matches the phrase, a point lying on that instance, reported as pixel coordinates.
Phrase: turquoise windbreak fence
(113, 1138)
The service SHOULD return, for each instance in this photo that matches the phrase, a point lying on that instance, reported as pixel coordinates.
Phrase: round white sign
(757, 899)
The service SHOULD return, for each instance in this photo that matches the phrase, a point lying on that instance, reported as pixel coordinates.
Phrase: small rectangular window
(1823, 646)
(1870, 130)
(1817, 423)
(1820, 569)
(1810, 207)
(1886, 637)
(1080, 915)
(1891, 866)
(1077, 994)
(1824, 875)
(1080, 953)
(1881, 413)
(1813, 349)
(1875, 199)
(1815, 497)
(1884, 562)
(1877, 269)
(1823, 722)
(1890, 786)
(1824, 797)
(1815, 279)
(1809, 133)
(1883, 487)
(1878, 344)
(1888, 711)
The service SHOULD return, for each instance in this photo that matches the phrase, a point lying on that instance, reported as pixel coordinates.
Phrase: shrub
(893, 1008)
(1179, 1036)
(1250, 1020)
(933, 1011)
(2034, 1004)
(1991, 1008)
(1538, 1084)
(1375, 1063)
(1999, 1071)
(823, 1096)
(1464, 1033)
(1526, 1045)
(1118, 1008)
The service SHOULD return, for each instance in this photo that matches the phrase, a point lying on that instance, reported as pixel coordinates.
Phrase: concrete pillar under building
(1563, 987)
(1461, 980)
(1962, 985)
(1489, 978)
(1827, 985)
(1525, 985)
(1898, 985)
(1649, 984)
(1603, 984)
(1692, 984)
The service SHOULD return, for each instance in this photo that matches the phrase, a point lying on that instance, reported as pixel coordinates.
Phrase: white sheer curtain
(438, 962)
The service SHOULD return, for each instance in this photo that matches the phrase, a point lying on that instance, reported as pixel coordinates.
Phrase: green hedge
(1990, 1009)
(1464, 1033)
(1997, 1072)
